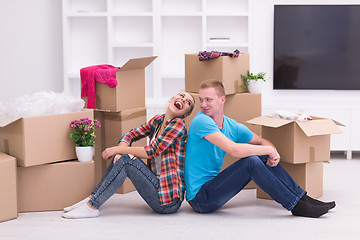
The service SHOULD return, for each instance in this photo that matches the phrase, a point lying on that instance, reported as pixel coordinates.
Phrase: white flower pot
(84, 154)
(255, 86)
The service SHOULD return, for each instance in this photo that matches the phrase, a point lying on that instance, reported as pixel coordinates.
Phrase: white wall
(30, 47)
(261, 59)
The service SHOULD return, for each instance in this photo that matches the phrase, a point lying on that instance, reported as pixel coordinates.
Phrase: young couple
(211, 136)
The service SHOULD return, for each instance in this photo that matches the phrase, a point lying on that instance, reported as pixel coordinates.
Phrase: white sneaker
(67, 209)
(84, 211)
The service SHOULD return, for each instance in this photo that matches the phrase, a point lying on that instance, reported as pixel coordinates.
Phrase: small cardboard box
(240, 107)
(130, 91)
(8, 199)
(114, 126)
(40, 139)
(299, 141)
(225, 69)
(51, 187)
(309, 176)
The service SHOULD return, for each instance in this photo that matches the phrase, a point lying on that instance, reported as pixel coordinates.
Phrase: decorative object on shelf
(252, 83)
(84, 138)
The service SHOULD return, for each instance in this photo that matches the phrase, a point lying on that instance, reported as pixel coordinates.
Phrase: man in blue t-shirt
(211, 136)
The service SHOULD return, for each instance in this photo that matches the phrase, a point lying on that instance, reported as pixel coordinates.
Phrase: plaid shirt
(171, 144)
(203, 56)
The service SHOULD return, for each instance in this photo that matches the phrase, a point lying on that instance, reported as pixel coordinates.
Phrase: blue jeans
(275, 181)
(144, 180)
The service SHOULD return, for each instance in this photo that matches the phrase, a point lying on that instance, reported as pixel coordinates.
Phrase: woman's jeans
(144, 180)
(275, 181)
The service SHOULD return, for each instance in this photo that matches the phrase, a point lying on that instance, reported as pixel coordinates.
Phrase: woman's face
(181, 104)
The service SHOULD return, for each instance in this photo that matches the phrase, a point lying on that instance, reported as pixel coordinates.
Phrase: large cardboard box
(51, 187)
(40, 139)
(299, 141)
(225, 69)
(114, 126)
(130, 91)
(8, 199)
(309, 176)
(243, 107)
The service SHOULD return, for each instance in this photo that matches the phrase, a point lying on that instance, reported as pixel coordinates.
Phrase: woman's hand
(111, 151)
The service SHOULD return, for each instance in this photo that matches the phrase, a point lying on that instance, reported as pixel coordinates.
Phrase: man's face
(210, 102)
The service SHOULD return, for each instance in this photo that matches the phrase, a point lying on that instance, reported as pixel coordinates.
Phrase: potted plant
(252, 83)
(84, 137)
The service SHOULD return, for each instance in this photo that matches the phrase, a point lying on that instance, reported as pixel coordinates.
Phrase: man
(211, 136)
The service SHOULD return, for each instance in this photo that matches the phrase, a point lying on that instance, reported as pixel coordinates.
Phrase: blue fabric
(203, 160)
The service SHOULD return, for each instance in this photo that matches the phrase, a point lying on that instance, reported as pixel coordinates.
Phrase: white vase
(255, 86)
(84, 154)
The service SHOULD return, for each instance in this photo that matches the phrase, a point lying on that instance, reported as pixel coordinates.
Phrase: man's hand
(274, 159)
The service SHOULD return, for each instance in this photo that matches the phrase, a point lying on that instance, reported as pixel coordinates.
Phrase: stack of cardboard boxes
(303, 148)
(119, 110)
(38, 169)
(239, 105)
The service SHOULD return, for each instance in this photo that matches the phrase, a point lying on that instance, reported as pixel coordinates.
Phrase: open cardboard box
(51, 187)
(40, 139)
(225, 69)
(8, 199)
(299, 141)
(130, 91)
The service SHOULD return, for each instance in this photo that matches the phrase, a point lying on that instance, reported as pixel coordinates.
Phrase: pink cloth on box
(105, 74)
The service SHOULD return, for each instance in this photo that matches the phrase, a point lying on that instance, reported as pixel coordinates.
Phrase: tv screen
(317, 47)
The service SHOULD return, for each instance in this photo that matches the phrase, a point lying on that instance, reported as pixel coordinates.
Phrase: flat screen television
(317, 47)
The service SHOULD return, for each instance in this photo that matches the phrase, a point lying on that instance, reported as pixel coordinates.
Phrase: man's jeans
(273, 180)
(144, 180)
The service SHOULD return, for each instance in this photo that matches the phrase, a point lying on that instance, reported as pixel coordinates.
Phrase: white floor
(244, 217)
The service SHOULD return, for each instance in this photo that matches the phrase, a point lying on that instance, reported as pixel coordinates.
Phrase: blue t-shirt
(203, 160)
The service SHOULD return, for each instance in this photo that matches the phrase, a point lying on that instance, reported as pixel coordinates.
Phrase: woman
(161, 184)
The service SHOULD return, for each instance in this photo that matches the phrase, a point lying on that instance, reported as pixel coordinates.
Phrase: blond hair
(212, 83)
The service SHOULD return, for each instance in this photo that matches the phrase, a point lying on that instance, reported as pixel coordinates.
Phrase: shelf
(114, 31)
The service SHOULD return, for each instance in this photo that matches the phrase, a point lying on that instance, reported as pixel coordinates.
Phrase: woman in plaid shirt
(161, 183)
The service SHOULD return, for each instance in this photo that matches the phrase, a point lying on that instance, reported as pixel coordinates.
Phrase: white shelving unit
(113, 31)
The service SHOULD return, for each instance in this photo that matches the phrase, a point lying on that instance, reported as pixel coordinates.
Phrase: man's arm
(256, 146)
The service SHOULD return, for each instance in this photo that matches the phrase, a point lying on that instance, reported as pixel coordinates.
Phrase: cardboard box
(40, 139)
(114, 126)
(8, 199)
(225, 69)
(51, 187)
(299, 141)
(130, 91)
(243, 107)
(240, 106)
(309, 176)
